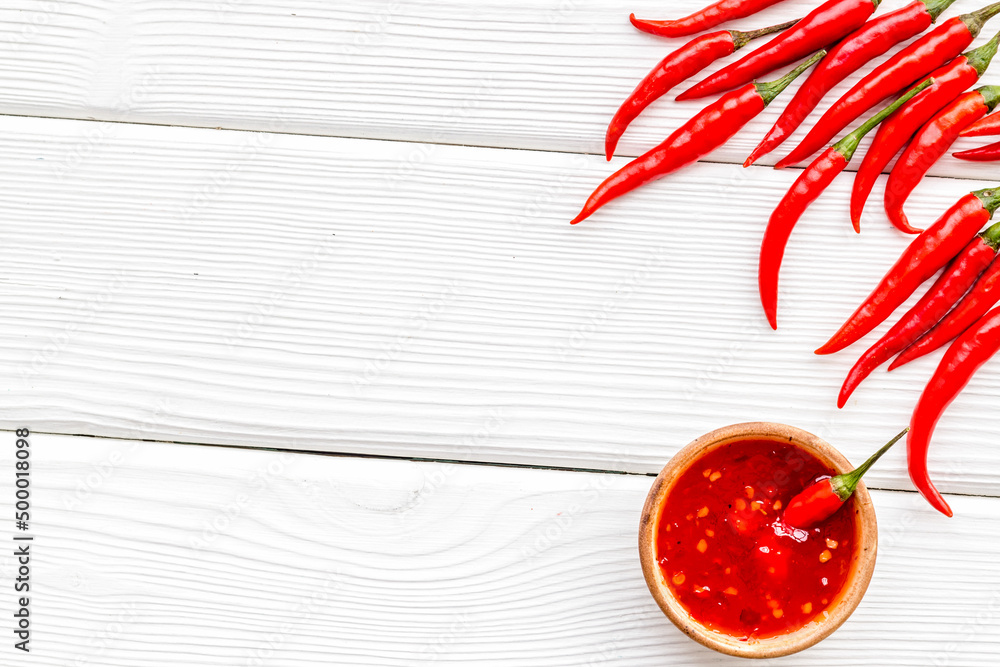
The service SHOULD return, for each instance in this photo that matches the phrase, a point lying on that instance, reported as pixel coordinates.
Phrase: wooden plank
(150, 554)
(512, 73)
(431, 301)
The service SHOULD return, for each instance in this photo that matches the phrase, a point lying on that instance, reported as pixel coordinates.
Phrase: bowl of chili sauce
(725, 568)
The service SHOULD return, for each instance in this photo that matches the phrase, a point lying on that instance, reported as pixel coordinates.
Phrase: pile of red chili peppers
(929, 108)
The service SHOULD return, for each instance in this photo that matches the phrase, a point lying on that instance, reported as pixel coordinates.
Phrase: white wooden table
(269, 268)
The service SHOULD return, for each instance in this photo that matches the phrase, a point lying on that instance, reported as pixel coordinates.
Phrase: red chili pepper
(708, 130)
(679, 65)
(983, 128)
(709, 17)
(915, 61)
(867, 42)
(987, 153)
(931, 142)
(921, 259)
(947, 290)
(819, 28)
(984, 295)
(804, 191)
(951, 80)
(960, 362)
(820, 501)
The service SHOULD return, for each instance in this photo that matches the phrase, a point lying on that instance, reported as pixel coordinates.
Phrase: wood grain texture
(510, 73)
(150, 554)
(430, 301)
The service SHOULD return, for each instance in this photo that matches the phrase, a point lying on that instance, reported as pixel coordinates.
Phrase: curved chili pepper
(709, 129)
(987, 153)
(804, 191)
(960, 362)
(867, 42)
(709, 17)
(983, 128)
(679, 65)
(822, 26)
(921, 259)
(951, 80)
(913, 62)
(821, 500)
(947, 290)
(984, 295)
(931, 142)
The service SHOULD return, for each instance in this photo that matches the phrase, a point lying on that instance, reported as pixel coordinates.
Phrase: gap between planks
(418, 459)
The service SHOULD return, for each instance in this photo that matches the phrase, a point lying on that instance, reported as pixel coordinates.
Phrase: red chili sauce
(728, 558)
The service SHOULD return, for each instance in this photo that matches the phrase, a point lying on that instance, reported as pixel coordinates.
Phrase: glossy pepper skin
(960, 362)
(926, 54)
(920, 260)
(984, 295)
(867, 42)
(988, 153)
(709, 17)
(950, 81)
(806, 188)
(819, 28)
(820, 501)
(928, 145)
(708, 130)
(986, 127)
(676, 67)
(947, 290)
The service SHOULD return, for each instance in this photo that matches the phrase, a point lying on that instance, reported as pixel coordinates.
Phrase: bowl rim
(840, 608)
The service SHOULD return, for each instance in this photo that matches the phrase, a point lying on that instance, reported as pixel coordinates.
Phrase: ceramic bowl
(840, 608)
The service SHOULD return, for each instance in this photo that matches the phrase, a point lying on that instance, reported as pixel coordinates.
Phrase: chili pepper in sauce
(948, 289)
(804, 191)
(819, 28)
(984, 295)
(928, 252)
(913, 62)
(708, 130)
(960, 362)
(679, 65)
(983, 128)
(987, 153)
(727, 556)
(709, 17)
(867, 42)
(950, 81)
(931, 142)
(821, 500)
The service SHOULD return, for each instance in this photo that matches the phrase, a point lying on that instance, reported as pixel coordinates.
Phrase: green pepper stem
(849, 143)
(770, 89)
(741, 38)
(844, 485)
(990, 197)
(936, 7)
(975, 20)
(980, 57)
